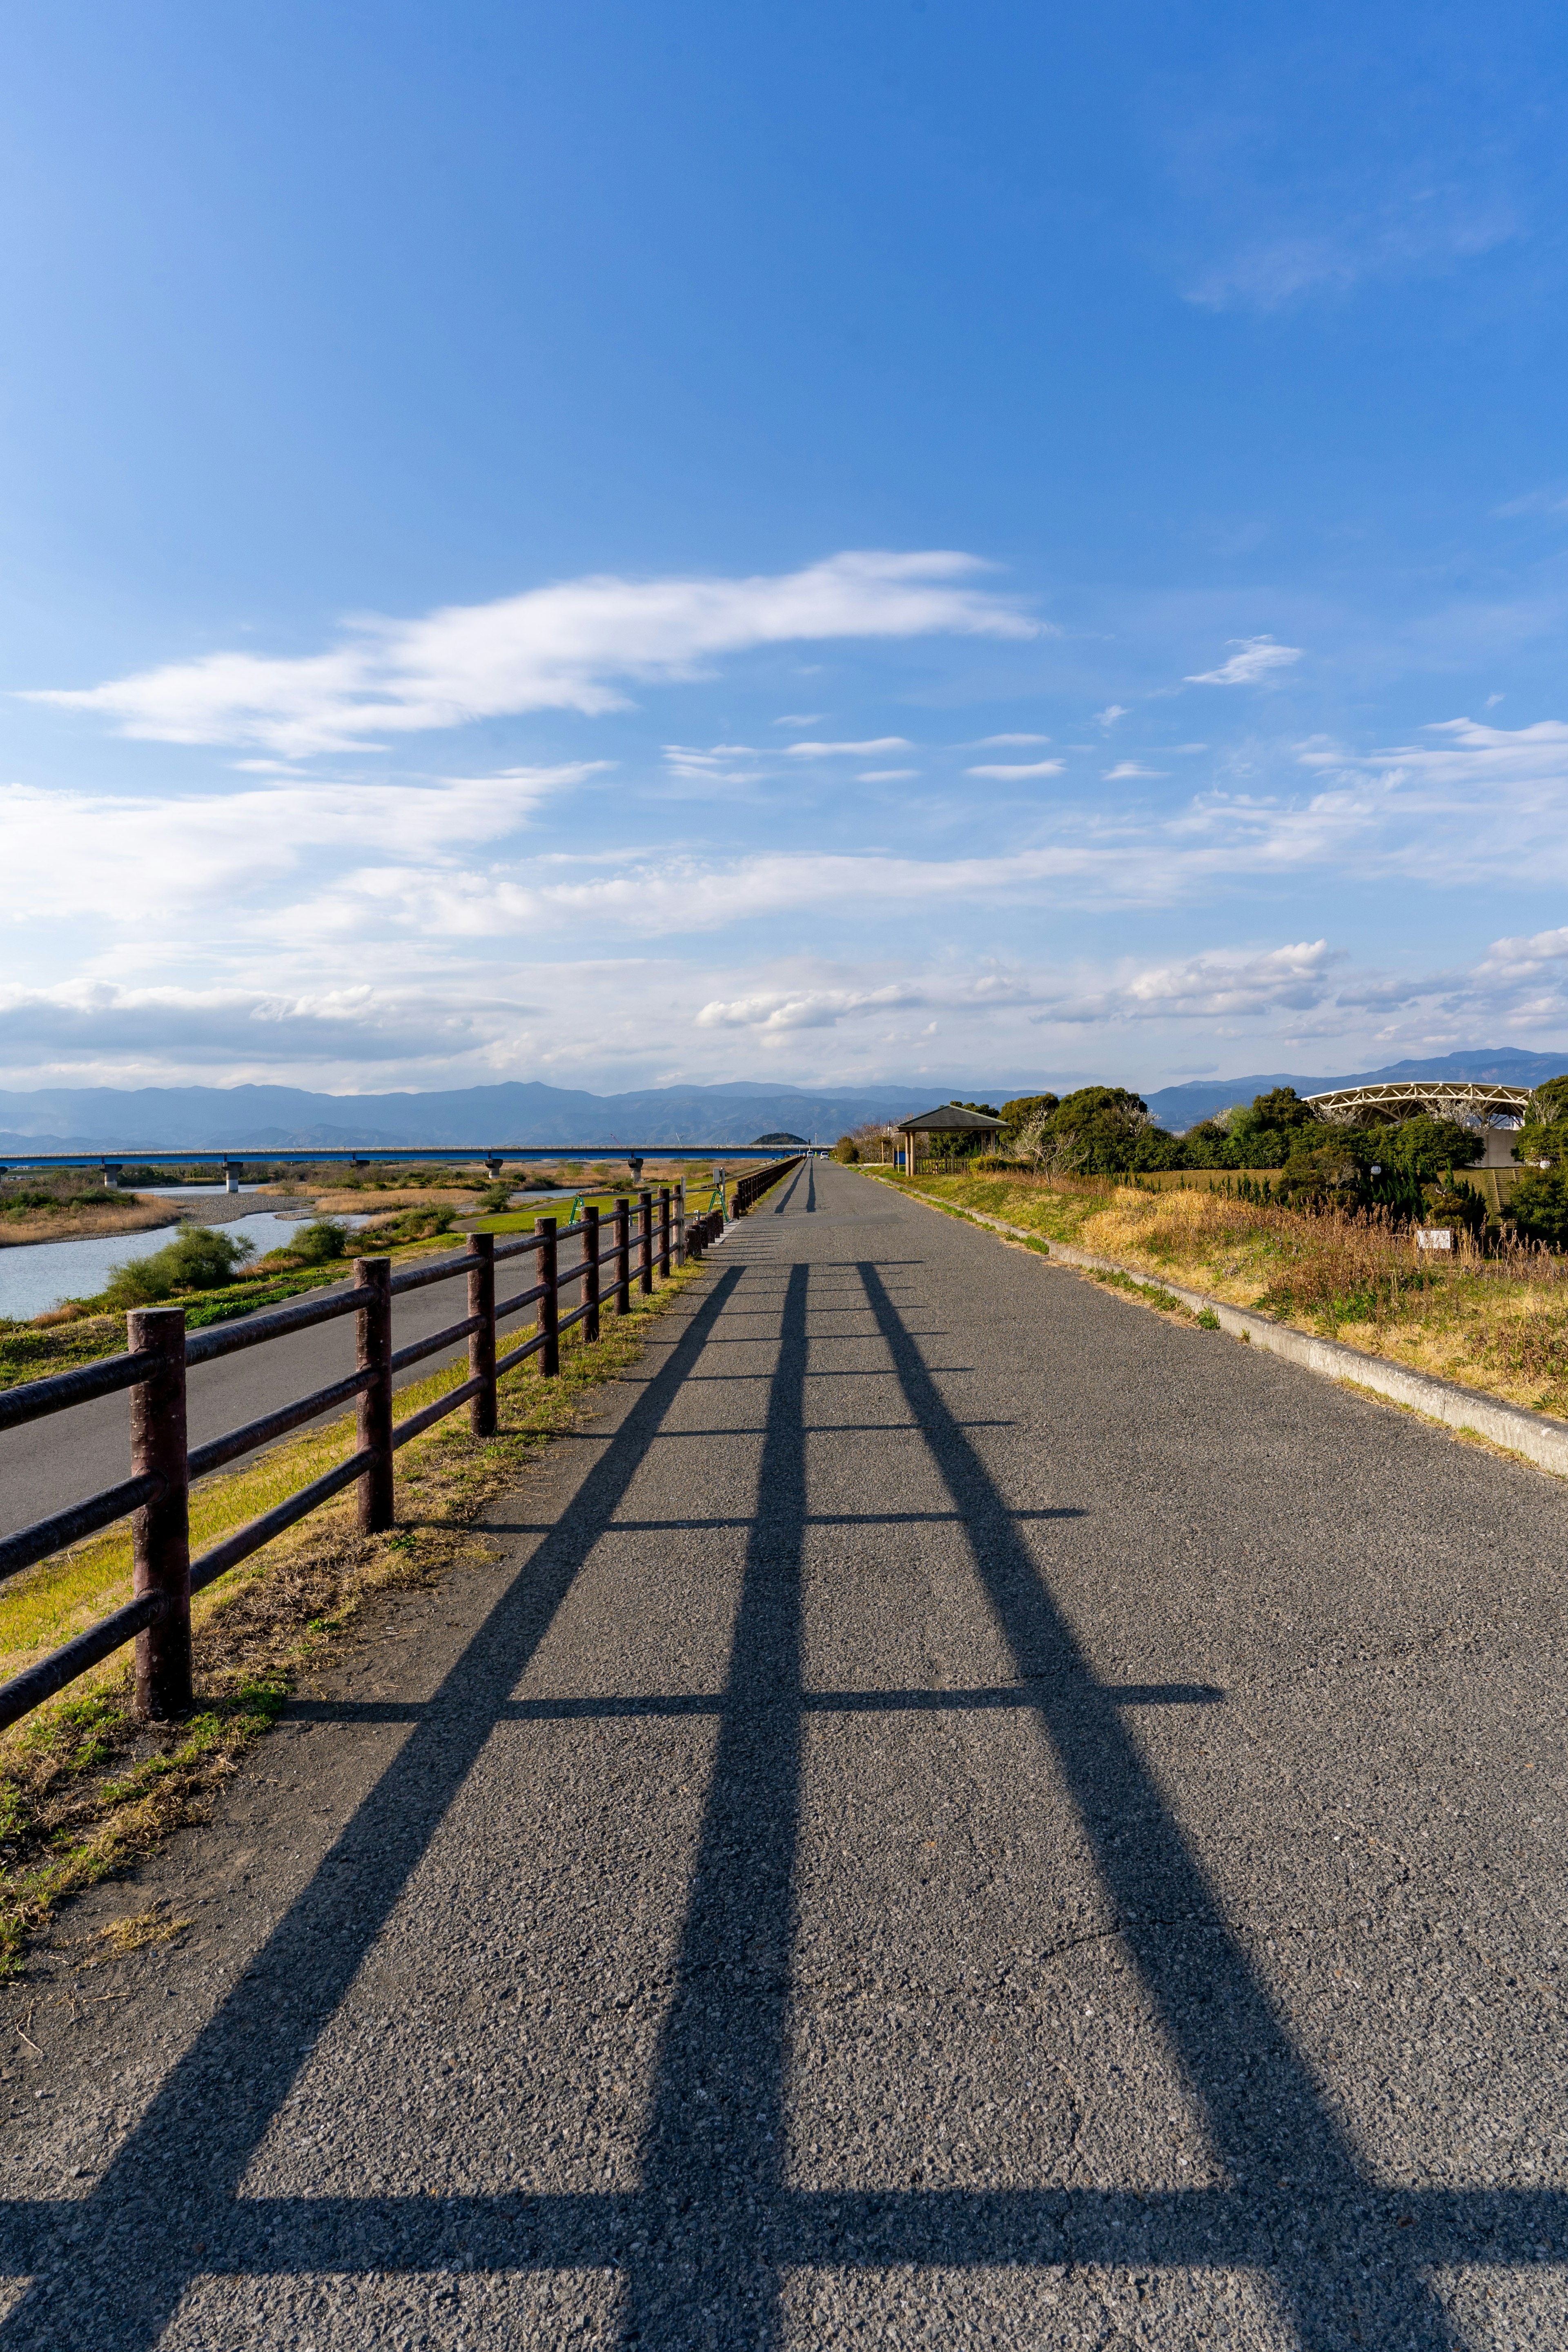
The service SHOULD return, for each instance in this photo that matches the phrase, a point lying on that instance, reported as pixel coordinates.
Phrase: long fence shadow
(116, 2262)
(703, 2243)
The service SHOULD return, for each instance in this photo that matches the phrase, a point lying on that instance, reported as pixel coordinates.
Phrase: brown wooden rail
(160, 1352)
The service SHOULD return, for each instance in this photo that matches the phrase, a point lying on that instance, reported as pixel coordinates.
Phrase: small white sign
(1434, 1238)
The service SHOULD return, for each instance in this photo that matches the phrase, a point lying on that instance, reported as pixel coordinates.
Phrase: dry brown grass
(133, 1933)
(371, 1200)
(84, 1222)
(1498, 1323)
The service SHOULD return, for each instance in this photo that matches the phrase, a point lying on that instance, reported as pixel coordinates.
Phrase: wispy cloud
(1111, 714)
(800, 719)
(887, 775)
(1255, 658)
(1003, 773)
(1544, 502)
(576, 647)
(987, 743)
(1129, 768)
(721, 763)
(866, 751)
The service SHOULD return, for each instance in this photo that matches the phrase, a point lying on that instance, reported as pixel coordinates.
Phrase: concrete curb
(1540, 1441)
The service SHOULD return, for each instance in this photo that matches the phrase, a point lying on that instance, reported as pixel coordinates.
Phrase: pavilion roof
(950, 1119)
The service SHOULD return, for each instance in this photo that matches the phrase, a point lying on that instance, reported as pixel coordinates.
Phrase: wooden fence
(156, 1496)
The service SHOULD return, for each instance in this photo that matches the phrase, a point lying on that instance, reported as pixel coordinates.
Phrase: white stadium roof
(1475, 1102)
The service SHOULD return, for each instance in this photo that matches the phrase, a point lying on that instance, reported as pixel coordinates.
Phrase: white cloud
(887, 775)
(866, 751)
(1002, 774)
(1111, 714)
(1223, 985)
(123, 857)
(986, 742)
(767, 1012)
(1125, 768)
(811, 1009)
(208, 1027)
(800, 719)
(572, 646)
(1255, 659)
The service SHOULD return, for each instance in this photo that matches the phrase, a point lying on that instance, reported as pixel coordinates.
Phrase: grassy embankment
(1499, 1324)
(85, 1789)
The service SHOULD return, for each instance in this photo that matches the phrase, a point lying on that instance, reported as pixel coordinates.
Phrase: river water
(37, 1276)
(34, 1277)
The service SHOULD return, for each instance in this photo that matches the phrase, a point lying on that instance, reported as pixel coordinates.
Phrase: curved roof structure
(1473, 1102)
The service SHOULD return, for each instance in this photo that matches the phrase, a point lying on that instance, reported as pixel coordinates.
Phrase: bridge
(234, 1160)
(959, 1812)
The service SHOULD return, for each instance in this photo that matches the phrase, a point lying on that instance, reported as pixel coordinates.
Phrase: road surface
(960, 1814)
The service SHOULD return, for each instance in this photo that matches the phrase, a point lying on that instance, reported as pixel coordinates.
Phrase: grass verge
(85, 1790)
(1497, 1324)
(1147, 1293)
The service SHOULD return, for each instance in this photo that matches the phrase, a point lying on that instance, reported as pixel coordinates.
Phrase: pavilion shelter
(948, 1118)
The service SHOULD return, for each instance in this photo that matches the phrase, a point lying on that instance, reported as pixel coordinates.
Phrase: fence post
(483, 1342)
(549, 1305)
(644, 1237)
(680, 1221)
(373, 1276)
(623, 1255)
(591, 1270)
(160, 1531)
(664, 1232)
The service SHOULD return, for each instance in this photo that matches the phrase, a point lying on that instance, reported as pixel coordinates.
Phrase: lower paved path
(960, 1814)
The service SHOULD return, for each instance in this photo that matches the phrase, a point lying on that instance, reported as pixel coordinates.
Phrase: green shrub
(847, 1150)
(200, 1259)
(318, 1244)
(1539, 1206)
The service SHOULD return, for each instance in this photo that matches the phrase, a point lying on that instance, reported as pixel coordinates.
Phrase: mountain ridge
(260, 1119)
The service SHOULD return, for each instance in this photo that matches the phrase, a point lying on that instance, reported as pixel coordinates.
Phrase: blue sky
(626, 544)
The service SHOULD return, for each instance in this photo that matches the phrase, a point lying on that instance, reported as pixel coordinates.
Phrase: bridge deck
(964, 1813)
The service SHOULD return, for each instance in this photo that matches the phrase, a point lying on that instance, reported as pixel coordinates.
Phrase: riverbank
(141, 1213)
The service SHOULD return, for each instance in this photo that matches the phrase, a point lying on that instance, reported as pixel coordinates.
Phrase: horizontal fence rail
(156, 1496)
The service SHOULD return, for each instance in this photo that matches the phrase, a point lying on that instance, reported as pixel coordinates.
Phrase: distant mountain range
(280, 1118)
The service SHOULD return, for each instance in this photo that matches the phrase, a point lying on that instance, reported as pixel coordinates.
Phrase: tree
(1024, 1109)
(1544, 1135)
(1425, 1146)
(1095, 1131)
(1538, 1205)
(1259, 1134)
(1548, 1103)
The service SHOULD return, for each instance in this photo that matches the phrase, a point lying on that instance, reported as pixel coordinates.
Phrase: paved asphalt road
(48, 1465)
(960, 1814)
